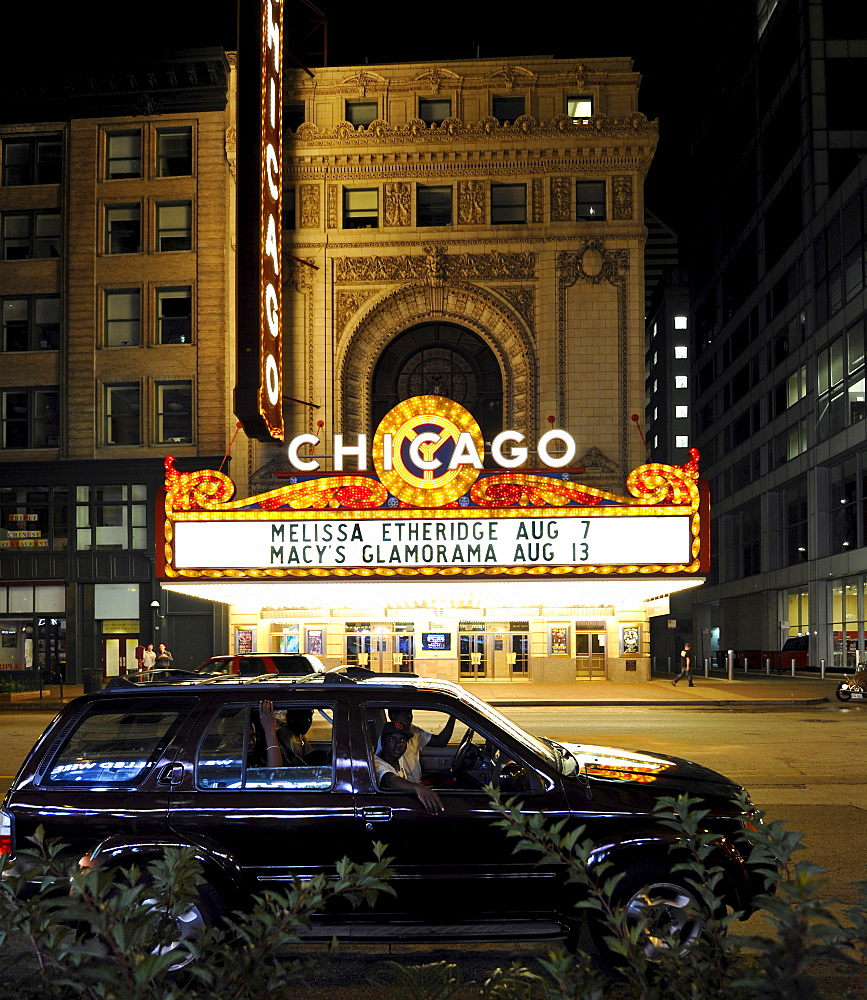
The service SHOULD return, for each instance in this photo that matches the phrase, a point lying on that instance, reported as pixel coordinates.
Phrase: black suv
(126, 771)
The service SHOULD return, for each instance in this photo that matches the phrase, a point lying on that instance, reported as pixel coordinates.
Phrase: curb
(622, 703)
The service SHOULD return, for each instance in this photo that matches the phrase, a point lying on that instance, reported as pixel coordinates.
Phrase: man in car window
(419, 739)
(390, 773)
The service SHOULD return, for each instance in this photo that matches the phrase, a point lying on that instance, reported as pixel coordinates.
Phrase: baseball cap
(396, 728)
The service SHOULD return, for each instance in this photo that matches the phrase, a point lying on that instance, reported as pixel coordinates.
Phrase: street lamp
(156, 613)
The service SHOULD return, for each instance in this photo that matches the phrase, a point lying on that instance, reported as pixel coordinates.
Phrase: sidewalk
(743, 690)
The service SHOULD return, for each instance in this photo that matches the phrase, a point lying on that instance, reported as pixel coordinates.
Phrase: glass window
(289, 210)
(30, 323)
(29, 235)
(122, 317)
(294, 114)
(579, 108)
(30, 417)
(361, 112)
(111, 747)
(590, 201)
(234, 754)
(681, 323)
(508, 204)
(681, 381)
(175, 226)
(681, 351)
(681, 412)
(123, 154)
(175, 152)
(123, 228)
(360, 208)
(433, 205)
(34, 517)
(122, 413)
(174, 412)
(681, 441)
(174, 315)
(434, 111)
(33, 160)
(507, 109)
(111, 517)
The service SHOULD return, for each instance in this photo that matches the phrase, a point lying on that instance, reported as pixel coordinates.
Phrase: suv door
(274, 823)
(458, 862)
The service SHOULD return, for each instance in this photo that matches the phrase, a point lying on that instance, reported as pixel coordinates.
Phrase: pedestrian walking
(686, 660)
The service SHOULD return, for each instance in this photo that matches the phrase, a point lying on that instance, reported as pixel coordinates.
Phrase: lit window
(507, 109)
(680, 323)
(29, 418)
(681, 382)
(590, 201)
(174, 152)
(681, 412)
(653, 330)
(122, 317)
(361, 112)
(174, 412)
(175, 226)
(681, 441)
(174, 315)
(656, 413)
(434, 111)
(656, 385)
(433, 205)
(360, 208)
(122, 228)
(579, 108)
(122, 409)
(655, 357)
(508, 203)
(123, 155)
(111, 517)
(681, 351)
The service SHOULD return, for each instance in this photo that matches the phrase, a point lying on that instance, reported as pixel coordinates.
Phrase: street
(802, 764)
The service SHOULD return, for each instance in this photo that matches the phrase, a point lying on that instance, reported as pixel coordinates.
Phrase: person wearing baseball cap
(419, 739)
(390, 774)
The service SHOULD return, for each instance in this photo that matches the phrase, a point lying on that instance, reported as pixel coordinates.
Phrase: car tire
(205, 911)
(673, 909)
(843, 695)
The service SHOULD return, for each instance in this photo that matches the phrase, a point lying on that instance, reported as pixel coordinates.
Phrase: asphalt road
(804, 765)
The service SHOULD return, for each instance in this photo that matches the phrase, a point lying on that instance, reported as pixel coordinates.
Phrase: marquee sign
(259, 391)
(431, 508)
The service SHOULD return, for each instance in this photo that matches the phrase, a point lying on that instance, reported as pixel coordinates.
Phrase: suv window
(113, 746)
(233, 754)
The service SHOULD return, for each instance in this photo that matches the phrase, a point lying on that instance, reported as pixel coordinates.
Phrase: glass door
(118, 654)
(589, 655)
(474, 648)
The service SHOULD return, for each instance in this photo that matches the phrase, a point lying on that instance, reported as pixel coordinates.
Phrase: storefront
(441, 560)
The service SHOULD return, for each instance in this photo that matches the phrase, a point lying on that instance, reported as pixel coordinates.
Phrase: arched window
(440, 359)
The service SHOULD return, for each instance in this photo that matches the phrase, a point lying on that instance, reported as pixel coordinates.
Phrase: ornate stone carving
(622, 186)
(536, 195)
(593, 262)
(509, 75)
(396, 205)
(231, 146)
(561, 199)
(348, 303)
(471, 203)
(523, 299)
(437, 77)
(437, 262)
(309, 206)
(362, 80)
(331, 207)
(299, 273)
(634, 127)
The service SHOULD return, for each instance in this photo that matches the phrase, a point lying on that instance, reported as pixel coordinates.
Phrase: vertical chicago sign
(259, 389)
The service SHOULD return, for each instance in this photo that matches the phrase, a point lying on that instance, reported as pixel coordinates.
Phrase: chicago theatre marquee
(442, 559)
(440, 355)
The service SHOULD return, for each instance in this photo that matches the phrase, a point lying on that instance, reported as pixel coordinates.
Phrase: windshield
(541, 747)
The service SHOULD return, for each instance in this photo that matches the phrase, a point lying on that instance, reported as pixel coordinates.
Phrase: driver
(390, 772)
(418, 739)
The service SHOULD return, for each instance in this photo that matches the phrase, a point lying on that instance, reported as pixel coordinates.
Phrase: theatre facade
(423, 559)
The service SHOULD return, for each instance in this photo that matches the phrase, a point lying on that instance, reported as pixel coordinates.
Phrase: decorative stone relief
(309, 206)
(396, 205)
(561, 199)
(439, 263)
(471, 203)
(594, 262)
(523, 299)
(362, 80)
(622, 186)
(348, 303)
(231, 145)
(331, 207)
(537, 199)
(509, 76)
(300, 273)
(437, 77)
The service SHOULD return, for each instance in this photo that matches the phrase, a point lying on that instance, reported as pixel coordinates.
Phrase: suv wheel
(205, 912)
(669, 909)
